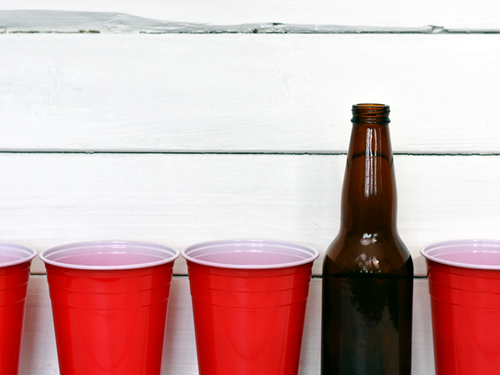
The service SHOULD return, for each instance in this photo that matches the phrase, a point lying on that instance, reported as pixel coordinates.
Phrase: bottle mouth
(371, 113)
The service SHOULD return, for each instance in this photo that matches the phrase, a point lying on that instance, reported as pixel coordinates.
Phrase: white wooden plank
(245, 92)
(46, 21)
(178, 200)
(464, 15)
(40, 358)
(423, 349)
(39, 354)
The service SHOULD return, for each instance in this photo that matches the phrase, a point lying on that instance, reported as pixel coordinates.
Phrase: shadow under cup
(249, 300)
(15, 262)
(109, 304)
(464, 284)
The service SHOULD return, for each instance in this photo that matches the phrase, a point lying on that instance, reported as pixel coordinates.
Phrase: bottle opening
(371, 113)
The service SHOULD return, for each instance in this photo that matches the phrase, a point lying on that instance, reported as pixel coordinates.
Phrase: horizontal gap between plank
(260, 30)
(308, 32)
(237, 153)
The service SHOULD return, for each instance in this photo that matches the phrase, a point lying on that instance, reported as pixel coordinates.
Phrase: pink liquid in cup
(15, 264)
(249, 300)
(464, 284)
(109, 303)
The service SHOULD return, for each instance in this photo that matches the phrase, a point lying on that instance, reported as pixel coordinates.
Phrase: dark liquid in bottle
(367, 324)
(368, 271)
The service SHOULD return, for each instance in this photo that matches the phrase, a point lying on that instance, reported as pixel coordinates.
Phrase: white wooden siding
(179, 199)
(454, 15)
(244, 92)
(179, 122)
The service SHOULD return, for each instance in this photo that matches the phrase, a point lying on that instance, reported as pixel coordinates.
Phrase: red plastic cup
(249, 302)
(15, 262)
(109, 304)
(464, 284)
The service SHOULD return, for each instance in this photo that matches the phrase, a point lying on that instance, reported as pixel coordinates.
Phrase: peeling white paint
(49, 21)
(450, 14)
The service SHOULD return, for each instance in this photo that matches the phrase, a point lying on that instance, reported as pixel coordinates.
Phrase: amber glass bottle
(367, 271)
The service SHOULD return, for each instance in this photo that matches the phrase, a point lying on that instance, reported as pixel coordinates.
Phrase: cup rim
(479, 243)
(30, 254)
(53, 251)
(313, 254)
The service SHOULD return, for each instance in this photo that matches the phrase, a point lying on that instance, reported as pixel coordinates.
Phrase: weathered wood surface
(221, 128)
(178, 200)
(481, 15)
(245, 93)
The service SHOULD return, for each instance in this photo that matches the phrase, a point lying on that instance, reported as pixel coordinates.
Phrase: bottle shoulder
(370, 254)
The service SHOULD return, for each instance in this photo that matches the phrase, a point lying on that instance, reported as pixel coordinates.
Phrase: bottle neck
(369, 190)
